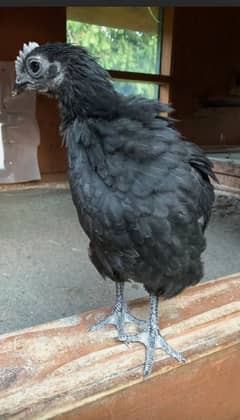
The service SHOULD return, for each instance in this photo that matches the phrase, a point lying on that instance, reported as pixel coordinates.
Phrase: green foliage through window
(120, 49)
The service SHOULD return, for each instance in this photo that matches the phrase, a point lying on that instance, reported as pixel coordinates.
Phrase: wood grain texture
(61, 370)
(167, 42)
(228, 173)
(205, 65)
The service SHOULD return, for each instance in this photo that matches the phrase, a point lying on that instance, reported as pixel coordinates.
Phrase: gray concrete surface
(44, 268)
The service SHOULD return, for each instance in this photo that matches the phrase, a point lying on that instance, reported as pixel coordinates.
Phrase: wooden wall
(206, 59)
(41, 24)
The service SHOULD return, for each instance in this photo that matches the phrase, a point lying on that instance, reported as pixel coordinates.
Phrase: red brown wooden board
(60, 370)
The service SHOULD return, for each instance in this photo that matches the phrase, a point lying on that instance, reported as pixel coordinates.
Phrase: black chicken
(142, 195)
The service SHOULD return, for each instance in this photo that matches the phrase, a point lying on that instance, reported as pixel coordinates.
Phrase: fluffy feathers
(143, 195)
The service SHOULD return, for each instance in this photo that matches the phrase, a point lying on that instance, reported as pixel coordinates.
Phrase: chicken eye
(34, 66)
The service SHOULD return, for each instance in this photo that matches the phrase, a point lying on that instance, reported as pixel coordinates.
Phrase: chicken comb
(27, 48)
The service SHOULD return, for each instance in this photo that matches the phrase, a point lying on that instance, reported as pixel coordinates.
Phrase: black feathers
(147, 200)
(143, 195)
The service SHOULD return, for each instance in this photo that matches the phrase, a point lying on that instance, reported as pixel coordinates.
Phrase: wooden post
(60, 370)
(166, 64)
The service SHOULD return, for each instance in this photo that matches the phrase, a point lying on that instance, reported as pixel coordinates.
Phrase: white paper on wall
(19, 131)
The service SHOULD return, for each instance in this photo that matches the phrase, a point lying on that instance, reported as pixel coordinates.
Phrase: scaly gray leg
(119, 315)
(152, 339)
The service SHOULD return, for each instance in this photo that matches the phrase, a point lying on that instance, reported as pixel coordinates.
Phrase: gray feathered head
(67, 72)
(27, 49)
(36, 70)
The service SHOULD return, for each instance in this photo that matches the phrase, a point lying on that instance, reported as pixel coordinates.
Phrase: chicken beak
(15, 91)
(18, 88)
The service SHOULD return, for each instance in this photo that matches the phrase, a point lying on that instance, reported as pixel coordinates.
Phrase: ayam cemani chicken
(142, 194)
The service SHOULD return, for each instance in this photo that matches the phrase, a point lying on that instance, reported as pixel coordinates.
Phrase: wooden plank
(226, 167)
(61, 370)
(55, 181)
(139, 77)
(165, 91)
(133, 18)
(167, 41)
(228, 173)
(209, 391)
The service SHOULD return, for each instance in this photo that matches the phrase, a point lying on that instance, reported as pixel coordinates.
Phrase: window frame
(164, 78)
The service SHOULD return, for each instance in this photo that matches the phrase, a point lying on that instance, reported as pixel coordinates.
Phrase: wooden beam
(128, 17)
(167, 41)
(167, 54)
(227, 172)
(139, 77)
(60, 370)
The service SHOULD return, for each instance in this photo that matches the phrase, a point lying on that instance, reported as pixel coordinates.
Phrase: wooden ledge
(60, 370)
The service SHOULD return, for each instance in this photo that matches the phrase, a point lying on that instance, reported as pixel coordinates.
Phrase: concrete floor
(44, 268)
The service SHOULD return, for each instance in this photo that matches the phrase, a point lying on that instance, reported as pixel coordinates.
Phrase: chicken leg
(119, 315)
(152, 339)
